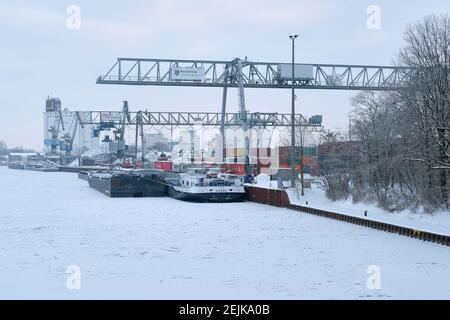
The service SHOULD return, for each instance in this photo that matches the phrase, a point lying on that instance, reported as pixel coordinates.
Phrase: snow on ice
(156, 248)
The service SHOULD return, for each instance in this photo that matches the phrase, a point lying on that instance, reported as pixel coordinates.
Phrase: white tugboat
(206, 185)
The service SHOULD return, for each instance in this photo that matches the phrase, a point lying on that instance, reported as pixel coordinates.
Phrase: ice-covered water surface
(163, 248)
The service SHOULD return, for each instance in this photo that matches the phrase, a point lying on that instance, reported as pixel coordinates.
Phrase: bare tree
(400, 153)
(428, 53)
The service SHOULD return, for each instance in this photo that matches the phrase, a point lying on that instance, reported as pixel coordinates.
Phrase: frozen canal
(163, 248)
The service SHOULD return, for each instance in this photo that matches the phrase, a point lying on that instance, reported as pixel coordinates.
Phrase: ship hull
(126, 186)
(205, 197)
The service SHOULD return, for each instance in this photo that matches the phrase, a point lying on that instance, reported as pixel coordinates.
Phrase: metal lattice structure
(242, 74)
(175, 119)
(156, 72)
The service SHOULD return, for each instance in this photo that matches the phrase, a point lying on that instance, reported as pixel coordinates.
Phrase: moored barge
(122, 183)
(204, 185)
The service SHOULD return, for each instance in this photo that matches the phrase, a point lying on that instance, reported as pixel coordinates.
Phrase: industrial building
(63, 133)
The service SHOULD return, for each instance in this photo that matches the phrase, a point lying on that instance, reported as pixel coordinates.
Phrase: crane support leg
(222, 125)
(243, 114)
(142, 139)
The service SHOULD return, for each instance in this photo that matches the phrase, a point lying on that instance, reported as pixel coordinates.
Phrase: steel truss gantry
(156, 72)
(242, 73)
(175, 119)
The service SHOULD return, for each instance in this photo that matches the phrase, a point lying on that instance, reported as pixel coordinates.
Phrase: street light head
(294, 36)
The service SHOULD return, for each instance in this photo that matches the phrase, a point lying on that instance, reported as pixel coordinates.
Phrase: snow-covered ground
(163, 248)
(438, 222)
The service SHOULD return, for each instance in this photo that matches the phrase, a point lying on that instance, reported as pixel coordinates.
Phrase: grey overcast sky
(40, 56)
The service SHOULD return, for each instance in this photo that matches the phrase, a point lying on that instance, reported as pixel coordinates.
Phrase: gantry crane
(242, 74)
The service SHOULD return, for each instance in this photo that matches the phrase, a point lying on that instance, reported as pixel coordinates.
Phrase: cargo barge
(39, 166)
(16, 166)
(121, 183)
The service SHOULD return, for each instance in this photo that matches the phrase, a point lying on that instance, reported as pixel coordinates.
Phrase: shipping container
(285, 155)
(164, 165)
(301, 71)
(237, 168)
(315, 120)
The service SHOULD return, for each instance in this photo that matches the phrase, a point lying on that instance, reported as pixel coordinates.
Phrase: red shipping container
(237, 168)
(163, 165)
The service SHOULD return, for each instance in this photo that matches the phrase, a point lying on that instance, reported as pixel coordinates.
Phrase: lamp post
(293, 172)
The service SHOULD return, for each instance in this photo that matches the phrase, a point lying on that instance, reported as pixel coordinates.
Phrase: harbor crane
(54, 130)
(119, 133)
(242, 73)
(107, 121)
(68, 138)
